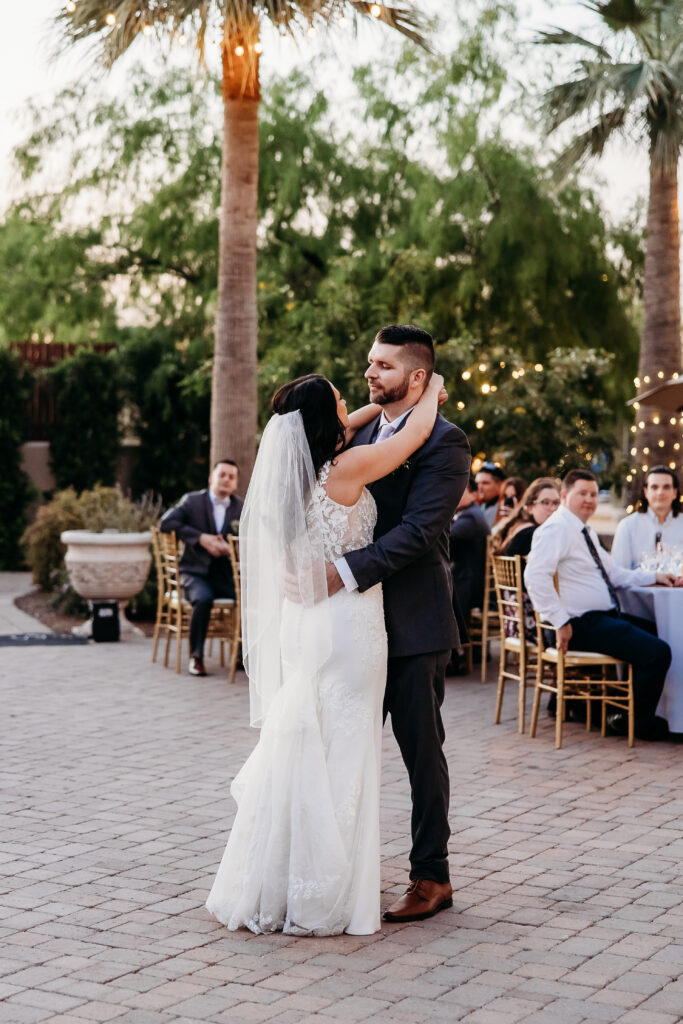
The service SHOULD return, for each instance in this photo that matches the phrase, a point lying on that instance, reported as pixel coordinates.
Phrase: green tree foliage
(84, 440)
(427, 214)
(15, 489)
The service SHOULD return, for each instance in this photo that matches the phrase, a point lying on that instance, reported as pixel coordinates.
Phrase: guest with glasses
(584, 604)
(513, 535)
(655, 525)
(489, 479)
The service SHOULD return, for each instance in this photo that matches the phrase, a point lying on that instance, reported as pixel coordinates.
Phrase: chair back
(158, 563)
(170, 561)
(507, 577)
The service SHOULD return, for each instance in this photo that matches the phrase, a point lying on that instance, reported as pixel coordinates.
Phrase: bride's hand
(436, 384)
(443, 396)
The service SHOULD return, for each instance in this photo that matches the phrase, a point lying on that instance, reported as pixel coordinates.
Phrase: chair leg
(521, 691)
(631, 713)
(168, 641)
(179, 642)
(501, 684)
(157, 631)
(560, 709)
(234, 650)
(484, 641)
(537, 699)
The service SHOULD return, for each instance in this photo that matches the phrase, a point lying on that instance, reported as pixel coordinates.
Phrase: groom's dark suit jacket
(409, 555)
(191, 517)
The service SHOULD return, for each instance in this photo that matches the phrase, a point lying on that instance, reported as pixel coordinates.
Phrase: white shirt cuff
(348, 579)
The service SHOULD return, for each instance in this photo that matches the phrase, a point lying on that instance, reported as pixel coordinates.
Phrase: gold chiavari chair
(174, 610)
(568, 679)
(517, 655)
(484, 623)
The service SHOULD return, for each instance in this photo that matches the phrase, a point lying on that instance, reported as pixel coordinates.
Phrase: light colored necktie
(385, 431)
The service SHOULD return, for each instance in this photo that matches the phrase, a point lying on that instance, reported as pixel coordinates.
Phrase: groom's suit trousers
(413, 698)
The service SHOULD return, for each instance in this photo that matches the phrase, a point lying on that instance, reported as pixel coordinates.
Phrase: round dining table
(664, 607)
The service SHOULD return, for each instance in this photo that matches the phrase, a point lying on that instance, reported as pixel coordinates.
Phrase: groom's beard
(395, 394)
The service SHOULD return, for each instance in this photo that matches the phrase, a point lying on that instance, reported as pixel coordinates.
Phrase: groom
(410, 557)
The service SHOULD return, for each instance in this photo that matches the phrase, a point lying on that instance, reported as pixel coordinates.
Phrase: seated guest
(511, 491)
(513, 536)
(585, 605)
(656, 522)
(489, 479)
(468, 533)
(202, 520)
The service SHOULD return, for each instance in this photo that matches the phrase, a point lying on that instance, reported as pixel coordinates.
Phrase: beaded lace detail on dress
(347, 527)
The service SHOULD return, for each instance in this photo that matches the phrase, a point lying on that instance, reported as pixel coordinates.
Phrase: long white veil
(282, 565)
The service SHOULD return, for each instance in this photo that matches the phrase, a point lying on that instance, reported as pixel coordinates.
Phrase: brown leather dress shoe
(197, 667)
(423, 898)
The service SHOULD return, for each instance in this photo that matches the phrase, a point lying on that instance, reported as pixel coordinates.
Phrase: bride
(303, 854)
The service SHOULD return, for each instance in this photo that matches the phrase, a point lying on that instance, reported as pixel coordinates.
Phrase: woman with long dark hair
(303, 854)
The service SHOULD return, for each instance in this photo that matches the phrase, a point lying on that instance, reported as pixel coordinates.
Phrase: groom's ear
(419, 378)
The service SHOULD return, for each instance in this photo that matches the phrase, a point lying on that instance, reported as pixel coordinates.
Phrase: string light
(646, 451)
(646, 380)
(672, 421)
(485, 388)
(310, 31)
(182, 39)
(634, 451)
(660, 443)
(258, 48)
(672, 465)
(239, 51)
(661, 375)
(479, 424)
(343, 22)
(147, 30)
(629, 508)
(633, 429)
(676, 446)
(645, 469)
(655, 420)
(636, 381)
(629, 478)
(70, 6)
(466, 375)
(461, 406)
(641, 424)
(538, 367)
(375, 10)
(502, 365)
(110, 19)
(482, 367)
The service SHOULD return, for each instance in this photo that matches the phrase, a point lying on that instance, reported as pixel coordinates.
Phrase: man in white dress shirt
(656, 523)
(202, 520)
(585, 606)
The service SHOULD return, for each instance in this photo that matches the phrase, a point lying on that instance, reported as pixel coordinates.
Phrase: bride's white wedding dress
(303, 854)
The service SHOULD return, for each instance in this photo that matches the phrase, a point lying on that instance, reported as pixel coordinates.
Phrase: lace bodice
(346, 527)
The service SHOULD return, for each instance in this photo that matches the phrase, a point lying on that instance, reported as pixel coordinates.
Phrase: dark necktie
(601, 568)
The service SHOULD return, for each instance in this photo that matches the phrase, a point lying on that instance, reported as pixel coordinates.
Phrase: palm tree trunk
(234, 386)
(660, 347)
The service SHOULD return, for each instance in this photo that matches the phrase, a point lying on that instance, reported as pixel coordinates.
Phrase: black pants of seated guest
(201, 592)
(634, 640)
(413, 698)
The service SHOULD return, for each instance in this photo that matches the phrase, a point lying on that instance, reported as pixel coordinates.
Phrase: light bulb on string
(634, 451)
(677, 446)
(538, 367)
(461, 406)
(660, 443)
(182, 39)
(641, 424)
(479, 424)
(258, 48)
(147, 30)
(633, 429)
(636, 381)
(343, 22)
(110, 19)
(629, 509)
(646, 380)
(672, 465)
(646, 451)
(660, 374)
(655, 420)
(70, 6)
(466, 374)
(502, 365)
(672, 421)
(239, 51)
(375, 10)
(482, 367)
(485, 388)
(636, 406)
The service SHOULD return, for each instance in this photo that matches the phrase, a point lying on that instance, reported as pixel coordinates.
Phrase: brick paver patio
(567, 865)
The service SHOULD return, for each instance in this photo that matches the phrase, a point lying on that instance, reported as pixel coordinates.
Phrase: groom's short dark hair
(417, 345)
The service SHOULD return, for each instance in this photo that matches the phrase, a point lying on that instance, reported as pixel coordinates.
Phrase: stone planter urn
(107, 566)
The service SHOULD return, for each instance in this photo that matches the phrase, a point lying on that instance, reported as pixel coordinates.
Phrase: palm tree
(635, 88)
(116, 24)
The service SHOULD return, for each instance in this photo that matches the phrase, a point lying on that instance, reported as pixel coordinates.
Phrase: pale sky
(26, 71)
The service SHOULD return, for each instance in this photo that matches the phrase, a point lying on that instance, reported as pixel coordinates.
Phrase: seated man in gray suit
(202, 520)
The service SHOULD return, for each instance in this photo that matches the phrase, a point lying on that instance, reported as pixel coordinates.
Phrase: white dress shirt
(341, 565)
(635, 537)
(220, 510)
(559, 547)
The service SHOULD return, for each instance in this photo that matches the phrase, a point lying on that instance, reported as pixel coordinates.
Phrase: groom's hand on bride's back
(293, 591)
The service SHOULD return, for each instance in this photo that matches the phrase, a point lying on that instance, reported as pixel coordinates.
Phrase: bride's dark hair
(313, 396)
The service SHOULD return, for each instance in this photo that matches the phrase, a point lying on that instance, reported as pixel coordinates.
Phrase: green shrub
(84, 440)
(15, 489)
(103, 508)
